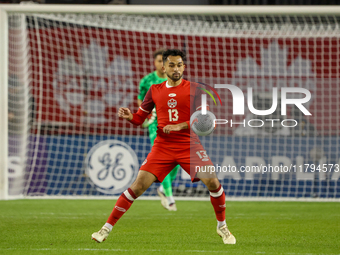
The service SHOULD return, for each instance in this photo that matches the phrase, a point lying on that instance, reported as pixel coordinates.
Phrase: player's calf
(217, 198)
(124, 202)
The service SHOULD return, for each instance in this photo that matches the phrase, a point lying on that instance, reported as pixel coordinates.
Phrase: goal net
(68, 73)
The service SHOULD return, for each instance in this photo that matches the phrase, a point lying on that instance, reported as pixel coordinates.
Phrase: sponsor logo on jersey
(172, 103)
(172, 95)
(111, 166)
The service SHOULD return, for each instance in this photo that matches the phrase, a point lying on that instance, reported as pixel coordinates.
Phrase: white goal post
(66, 64)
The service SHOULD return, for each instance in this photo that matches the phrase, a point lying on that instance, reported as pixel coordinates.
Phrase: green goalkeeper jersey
(147, 81)
(144, 86)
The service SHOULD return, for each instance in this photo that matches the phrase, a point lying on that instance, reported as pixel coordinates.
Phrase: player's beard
(175, 78)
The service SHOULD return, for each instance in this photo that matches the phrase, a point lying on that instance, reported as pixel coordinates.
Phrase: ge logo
(172, 103)
(111, 166)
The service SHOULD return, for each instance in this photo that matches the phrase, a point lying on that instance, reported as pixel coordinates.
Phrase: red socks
(122, 205)
(217, 198)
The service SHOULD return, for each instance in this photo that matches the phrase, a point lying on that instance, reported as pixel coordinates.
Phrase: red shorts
(164, 157)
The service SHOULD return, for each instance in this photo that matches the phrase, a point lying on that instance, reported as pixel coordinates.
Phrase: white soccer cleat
(227, 237)
(164, 201)
(172, 207)
(101, 235)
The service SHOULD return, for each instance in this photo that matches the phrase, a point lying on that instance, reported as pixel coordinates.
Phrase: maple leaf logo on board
(85, 88)
(274, 70)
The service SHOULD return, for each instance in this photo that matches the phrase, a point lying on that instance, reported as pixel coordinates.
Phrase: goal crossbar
(174, 10)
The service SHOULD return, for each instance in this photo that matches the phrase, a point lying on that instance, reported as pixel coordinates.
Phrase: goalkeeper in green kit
(156, 77)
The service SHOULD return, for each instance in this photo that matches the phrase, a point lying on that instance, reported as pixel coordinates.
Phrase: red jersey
(174, 105)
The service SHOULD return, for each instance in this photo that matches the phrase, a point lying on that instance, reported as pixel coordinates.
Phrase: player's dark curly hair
(173, 52)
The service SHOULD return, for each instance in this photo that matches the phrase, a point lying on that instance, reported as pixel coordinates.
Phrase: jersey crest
(172, 103)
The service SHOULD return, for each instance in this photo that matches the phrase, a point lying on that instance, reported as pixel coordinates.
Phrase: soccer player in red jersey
(175, 100)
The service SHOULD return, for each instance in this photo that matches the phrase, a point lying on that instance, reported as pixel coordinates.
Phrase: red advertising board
(81, 76)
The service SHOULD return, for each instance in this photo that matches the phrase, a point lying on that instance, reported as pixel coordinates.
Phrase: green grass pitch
(65, 227)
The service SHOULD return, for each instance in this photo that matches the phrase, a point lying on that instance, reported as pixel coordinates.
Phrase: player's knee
(142, 183)
(138, 188)
(212, 183)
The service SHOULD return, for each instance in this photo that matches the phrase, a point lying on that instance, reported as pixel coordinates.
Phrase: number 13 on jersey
(202, 155)
(173, 114)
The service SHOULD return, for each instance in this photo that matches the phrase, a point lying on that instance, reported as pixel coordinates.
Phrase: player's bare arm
(168, 128)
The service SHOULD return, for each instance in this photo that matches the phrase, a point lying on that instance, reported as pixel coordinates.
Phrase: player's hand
(168, 128)
(125, 113)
